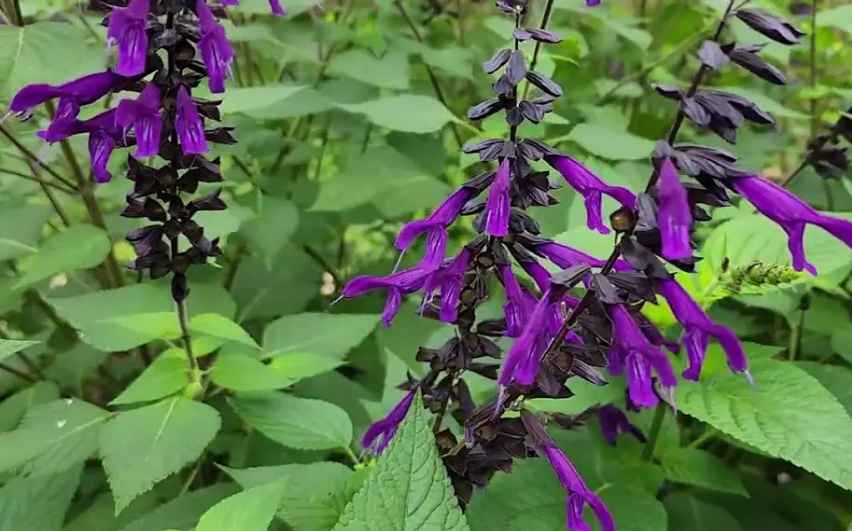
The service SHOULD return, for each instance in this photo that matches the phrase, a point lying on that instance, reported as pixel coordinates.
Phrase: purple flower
(127, 30)
(590, 186)
(519, 302)
(379, 434)
(787, 210)
(397, 285)
(435, 226)
(81, 91)
(698, 328)
(579, 495)
(631, 349)
(592, 3)
(498, 206)
(675, 215)
(523, 358)
(275, 5)
(216, 51)
(567, 257)
(189, 127)
(613, 421)
(145, 116)
(449, 280)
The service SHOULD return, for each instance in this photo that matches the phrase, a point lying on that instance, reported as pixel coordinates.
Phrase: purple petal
(675, 216)
(216, 50)
(127, 29)
(277, 9)
(188, 123)
(521, 362)
(101, 146)
(498, 206)
(379, 434)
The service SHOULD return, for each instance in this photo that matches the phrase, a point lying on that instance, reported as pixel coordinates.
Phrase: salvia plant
(483, 430)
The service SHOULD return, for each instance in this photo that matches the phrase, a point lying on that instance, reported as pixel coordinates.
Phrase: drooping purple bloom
(614, 421)
(524, 356)
(216, 50)
(127, 30)
(397, 285)
(519, 302)
(675, 216)
(698, 328)
(579, 495)
(632, 351)
(498, 207)
(80, 91)
(188, 124)
(791, 213)
(144, 115)
(591, 187)
(567, 257)
(592, 3)
(379, 434)
(449, 280)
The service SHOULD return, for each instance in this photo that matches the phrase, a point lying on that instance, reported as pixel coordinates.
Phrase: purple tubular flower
(613, 421)
(593, 3)
(449, 279)
(632, 350)
(698, 328)
(104, 136)
(277, 9)
(520, 303)
(144, 115)
(189, 127)
(81, 91)
(216, 51)
(435, 226)
(566, 257)
(127, 30)
(379, 434)
(590, 186)
(397, 284)
(675, 216)
(523, 358)
(498, 206)
(792, 214)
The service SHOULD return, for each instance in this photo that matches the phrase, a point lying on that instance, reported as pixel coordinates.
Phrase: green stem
(656, 427)
(813, 70)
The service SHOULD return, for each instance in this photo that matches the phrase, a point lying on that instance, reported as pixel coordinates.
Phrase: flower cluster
(158, 116)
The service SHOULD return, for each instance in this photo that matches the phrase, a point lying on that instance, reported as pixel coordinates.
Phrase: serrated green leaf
(298, 366)
(219, 326)
(409, 488)
(295, 422)
(408, 113)
(247, 99)
(688, 512)
(244, 373)
(13, 346)
(20, 228)
(78, 247)
(38, 503)
(390, 71)
(701, 469)
(143, 446)
(610, 143)
(13, 409)
(147, 326)
(167, 375)
(53, 437)
(274, 212)
(317, 333)
(250, 510)
(183, 511)
(788, 414)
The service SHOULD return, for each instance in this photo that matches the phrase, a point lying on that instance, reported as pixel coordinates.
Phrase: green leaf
(183, 511)
(409, 488)
(701, 469)
(325, 334)
(788, 414)
(610, 143)
(20, 227)
(274, 212)
(839, 17)
(409, 113)
(390, 71)
(142, 446)
(37, 503)
(147, 326)
(250, 510)
(246, 99)
(244, 373)
(166, 376)
(687, 512)
(298, 366)
(295, 422)
(53, 437)
(13, 408)
(219, 326)
(835, 378)
(13, 346)
(78, 247)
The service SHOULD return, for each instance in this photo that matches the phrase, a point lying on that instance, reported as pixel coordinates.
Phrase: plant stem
(18, 373)
(656, 427)
(701, 439)
(33, 157)
(22, 175)
(795, 345)
(57, 207)
(813, 70)
(185, 337)
(323, 263)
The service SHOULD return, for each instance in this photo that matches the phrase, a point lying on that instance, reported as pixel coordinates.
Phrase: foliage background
(349, 118)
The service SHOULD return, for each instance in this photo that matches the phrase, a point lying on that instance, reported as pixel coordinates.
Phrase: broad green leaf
(409, 113)
(244, 373)
(143, 446)
(219, 326)
(245, 99)
(13, 408)
(20, 227)
(295, 422)
(836, 379)
(325, 334)
(37, 503)
(147, 326)
(183, 511)
(839, 17)
(315, 494)
(9, 347)
(78, 247)
(257, 289)
(788, 414)
(250, 510)
(167, 375)
(274, 212)
(688, 512)
(701, 469)
(298, 366)
(390, 71)
(841, 340)
(53, 437)
(613, 144)
(409, 488)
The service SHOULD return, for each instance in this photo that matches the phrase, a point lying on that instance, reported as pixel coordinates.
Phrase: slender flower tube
(449, 280)
(792, 214)
(522, 361)
(591, 187)
(498, 207)
(188, 123)
(216, 50)
(127, 29)
(675, 216)
(613, 421)
(566, 257)
(698, 328)
(80, 91)
(144, 115)
(379, 434)
(397, 285)
(633, 351)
